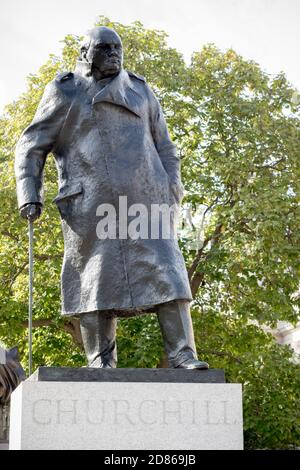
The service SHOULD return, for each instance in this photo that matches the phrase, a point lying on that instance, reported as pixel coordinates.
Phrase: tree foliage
(237, 131)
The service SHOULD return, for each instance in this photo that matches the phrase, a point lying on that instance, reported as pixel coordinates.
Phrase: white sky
(267, 31)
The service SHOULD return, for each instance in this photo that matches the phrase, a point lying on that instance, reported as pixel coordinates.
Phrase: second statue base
(132, 409)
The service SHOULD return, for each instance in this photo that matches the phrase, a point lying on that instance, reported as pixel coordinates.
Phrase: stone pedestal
(150, 409)
(2, 356)
(4, 425)
(3, 411)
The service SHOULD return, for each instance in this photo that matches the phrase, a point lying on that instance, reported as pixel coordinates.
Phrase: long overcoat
(109, 139)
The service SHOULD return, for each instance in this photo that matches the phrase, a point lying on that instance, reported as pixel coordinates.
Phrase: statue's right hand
(31, 212)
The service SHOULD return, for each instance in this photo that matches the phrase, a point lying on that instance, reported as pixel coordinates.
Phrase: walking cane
(30, 303)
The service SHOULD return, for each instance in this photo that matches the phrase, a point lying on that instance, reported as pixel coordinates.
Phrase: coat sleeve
(164, 146)
(36, 142)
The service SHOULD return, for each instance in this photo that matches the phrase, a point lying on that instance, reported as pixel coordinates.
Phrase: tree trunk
(163, 363)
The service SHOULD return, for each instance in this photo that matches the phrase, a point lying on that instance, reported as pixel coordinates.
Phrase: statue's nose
(113, 51)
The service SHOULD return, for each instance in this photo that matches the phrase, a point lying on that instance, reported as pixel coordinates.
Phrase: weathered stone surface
(4, 423)
(85, 374)
(2, 356)
(126, 415)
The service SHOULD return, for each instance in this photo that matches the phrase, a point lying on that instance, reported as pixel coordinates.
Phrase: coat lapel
(120, 92)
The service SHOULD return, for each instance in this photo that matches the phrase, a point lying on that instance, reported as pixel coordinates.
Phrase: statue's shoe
(98, 364)
(108, 366)
(193, 364)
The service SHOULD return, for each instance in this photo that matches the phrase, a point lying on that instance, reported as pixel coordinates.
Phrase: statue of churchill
(109, 138)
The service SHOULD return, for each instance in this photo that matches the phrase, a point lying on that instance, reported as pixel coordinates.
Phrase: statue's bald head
(103, 34)
(102, 47)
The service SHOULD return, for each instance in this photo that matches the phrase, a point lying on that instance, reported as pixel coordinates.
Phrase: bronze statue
(11, 375)
(110, 141)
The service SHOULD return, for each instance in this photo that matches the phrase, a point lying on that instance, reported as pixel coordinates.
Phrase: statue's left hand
(178, 191)
(31, 212)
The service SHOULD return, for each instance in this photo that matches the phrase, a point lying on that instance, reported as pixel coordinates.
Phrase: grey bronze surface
(85, 374)
(99, 338)
(98, 330)
(108, 141)
(109, 138)
(11, 375)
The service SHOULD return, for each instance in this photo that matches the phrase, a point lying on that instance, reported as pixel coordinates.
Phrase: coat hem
(124, 312)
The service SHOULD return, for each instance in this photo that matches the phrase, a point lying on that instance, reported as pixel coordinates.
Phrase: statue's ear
(12, 354)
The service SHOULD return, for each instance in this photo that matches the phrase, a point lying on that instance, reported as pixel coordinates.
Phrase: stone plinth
(86, 374)
(2, 356)
(126, 409)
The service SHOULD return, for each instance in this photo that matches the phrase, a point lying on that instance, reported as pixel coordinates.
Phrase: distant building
(285, 333)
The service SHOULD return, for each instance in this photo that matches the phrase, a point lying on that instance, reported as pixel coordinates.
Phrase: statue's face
(105, 51)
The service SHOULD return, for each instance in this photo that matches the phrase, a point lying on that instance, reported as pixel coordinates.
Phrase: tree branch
(221, 354)
(72, 326)
(196, 278)
(39, 323)
(20, 270)
(270, 165)
(196, 282)
(47, 257)
(6, 233)
(194, 265)
(213, 237)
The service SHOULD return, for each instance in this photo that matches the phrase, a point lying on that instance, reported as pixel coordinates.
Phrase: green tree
(237, 131)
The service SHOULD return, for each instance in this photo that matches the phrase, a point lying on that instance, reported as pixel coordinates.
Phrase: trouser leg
(177, 331)
(98, 333)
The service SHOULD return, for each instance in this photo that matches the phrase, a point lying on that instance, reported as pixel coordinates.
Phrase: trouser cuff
(180, 358)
